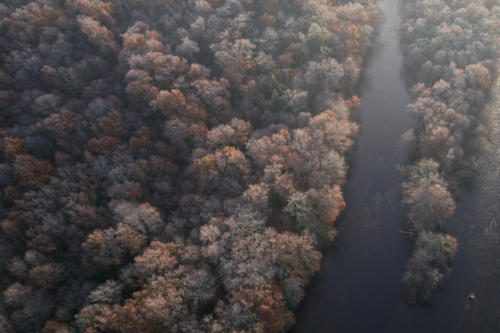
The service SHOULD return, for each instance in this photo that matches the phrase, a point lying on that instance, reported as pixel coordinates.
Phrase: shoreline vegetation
(172, 165)
(450, 49)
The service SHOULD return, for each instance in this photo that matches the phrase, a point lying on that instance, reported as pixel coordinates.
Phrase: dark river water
(359, 287)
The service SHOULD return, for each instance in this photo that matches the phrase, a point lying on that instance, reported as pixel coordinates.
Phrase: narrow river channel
(359, 288)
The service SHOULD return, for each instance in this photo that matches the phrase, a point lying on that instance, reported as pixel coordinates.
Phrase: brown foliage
(15, 25)
(12, 193)
(46, 276)
(103, 146)
(169, 102)
(110, 247)
(141, 140)
(61, 125)
(13, 147)
(267, 20)
(32, 172)
(96, 9)
(156, 308)
(112, 124)
(52, 326)
(269, 306)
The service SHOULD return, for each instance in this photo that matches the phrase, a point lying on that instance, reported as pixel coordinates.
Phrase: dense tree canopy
(172, 165)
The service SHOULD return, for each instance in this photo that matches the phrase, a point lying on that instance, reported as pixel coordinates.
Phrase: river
(359, 287)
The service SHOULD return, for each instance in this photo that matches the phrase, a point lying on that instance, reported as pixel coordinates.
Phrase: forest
(172, 165)
(180, 166)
